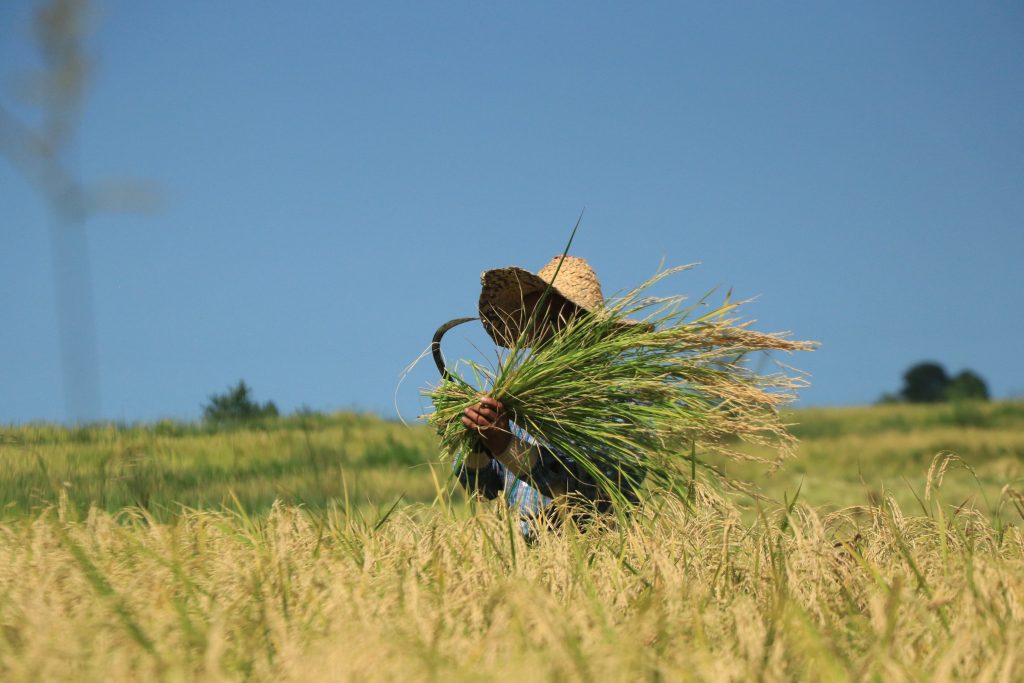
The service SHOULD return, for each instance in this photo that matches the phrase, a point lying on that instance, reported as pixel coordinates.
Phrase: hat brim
(501, 306)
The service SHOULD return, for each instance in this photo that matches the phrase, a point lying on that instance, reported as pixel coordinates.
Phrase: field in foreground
(678, 594)
(922, 580)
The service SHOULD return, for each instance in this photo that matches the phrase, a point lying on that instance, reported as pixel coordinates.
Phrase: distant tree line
(928, 382)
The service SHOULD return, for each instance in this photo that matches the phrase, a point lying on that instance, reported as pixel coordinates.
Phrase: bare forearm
(521, 458)
(518, 456)
(480, 475)
(475, 460)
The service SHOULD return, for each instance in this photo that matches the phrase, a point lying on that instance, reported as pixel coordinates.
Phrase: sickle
(435, 345)
(435, 349)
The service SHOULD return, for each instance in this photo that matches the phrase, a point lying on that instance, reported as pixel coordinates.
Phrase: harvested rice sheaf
(664, 396)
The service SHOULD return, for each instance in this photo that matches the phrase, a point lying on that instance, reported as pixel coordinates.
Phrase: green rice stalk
(637, 397)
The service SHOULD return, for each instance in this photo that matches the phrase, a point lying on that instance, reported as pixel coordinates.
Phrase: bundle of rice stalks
(647, 386)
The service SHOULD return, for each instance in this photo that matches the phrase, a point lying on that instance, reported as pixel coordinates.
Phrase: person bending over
(535, 480)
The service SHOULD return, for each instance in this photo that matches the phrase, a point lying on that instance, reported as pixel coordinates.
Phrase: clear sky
(334, 176)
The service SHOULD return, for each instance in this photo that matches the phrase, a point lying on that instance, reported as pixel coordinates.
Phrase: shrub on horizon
(236, 406)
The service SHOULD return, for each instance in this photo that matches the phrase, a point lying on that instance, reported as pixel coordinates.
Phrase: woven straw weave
(503, 290)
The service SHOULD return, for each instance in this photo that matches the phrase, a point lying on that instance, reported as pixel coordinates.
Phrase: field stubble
(678, 594)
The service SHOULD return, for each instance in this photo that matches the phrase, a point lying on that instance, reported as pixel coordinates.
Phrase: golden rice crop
(676, 593)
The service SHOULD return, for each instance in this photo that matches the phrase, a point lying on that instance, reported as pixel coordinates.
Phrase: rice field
(316, 548)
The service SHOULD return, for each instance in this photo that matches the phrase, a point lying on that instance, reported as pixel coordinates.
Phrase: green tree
(967, 386)
(925, 383)
(236, 405)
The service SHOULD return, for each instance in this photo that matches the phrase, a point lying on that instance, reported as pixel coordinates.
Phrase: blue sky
(334, 177)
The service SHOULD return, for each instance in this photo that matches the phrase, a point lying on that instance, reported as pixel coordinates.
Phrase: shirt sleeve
(487, 482)
(556, 471)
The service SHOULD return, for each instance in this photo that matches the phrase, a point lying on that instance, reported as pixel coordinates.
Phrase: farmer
(538, 482)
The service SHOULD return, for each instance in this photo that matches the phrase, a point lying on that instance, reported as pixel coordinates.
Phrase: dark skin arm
(488, 419)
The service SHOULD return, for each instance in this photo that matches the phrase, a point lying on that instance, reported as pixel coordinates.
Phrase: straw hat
(503, 290)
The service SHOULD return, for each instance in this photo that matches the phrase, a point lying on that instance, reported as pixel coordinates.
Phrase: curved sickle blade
(435, 345)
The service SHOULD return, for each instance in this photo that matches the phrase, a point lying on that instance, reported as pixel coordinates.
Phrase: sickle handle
(435, 349)
(435, 345)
